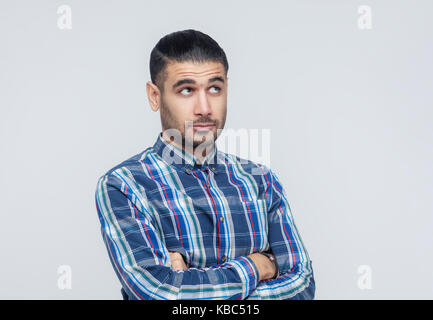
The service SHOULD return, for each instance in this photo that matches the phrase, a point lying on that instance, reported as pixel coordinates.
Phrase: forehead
(200, 72)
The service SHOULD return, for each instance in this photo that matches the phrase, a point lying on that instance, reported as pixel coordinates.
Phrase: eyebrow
(191, 81)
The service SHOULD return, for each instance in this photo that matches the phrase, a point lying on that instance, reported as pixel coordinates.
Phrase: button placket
(208, 184)
(206, 172)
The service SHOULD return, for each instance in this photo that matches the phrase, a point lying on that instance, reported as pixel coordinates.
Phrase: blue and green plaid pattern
(214, 213)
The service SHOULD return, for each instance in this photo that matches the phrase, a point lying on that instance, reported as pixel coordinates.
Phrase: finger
(177, 262)
(178, 265)
(174, 256)
(180, 262)
(183, 265)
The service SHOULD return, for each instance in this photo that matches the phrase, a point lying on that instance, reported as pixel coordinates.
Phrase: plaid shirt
(213, 213)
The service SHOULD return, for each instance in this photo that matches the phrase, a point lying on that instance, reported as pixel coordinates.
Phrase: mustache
(205, 120)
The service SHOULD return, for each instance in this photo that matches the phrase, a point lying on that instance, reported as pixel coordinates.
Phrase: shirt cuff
(248, 273)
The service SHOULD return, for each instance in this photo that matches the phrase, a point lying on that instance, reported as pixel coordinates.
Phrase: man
(183, 220)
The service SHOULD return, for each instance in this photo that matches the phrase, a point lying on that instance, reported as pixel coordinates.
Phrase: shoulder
(131, 166)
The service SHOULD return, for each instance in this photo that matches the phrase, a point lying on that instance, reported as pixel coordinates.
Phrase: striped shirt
(214, 213)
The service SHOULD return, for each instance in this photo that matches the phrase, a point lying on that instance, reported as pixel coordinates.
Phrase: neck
(199, 151)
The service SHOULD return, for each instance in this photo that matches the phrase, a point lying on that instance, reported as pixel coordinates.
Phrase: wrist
(261, 264)
(272, 258)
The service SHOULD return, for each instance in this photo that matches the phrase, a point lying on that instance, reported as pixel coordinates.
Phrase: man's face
(194, 101)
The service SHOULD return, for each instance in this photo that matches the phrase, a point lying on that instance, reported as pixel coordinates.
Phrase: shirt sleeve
(296, 280)
(142, 262)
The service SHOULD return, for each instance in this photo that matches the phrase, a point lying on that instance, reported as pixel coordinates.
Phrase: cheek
(221, 114)
(183, 108)
(180, 110)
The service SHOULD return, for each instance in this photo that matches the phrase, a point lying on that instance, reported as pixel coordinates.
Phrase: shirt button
(222, 219)
(223, 258)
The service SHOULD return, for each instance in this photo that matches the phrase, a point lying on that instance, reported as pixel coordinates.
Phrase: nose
(202, 106)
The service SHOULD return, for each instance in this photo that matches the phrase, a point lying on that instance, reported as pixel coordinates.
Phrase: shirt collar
(183, 160)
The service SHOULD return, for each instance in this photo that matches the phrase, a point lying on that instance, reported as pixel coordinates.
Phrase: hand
(264, 265)
(177, 262)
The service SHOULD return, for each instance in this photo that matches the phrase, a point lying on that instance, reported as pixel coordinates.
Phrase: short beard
(168, 121)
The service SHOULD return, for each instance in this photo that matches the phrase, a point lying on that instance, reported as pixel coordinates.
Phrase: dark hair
(181, 46)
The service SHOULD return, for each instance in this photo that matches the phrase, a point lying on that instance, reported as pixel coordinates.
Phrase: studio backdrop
(344, 89)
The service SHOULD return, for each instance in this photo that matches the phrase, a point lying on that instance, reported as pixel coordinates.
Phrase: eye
(218, 89)
(187, 88)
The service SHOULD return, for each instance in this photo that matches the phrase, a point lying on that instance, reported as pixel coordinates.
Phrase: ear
(153, 95)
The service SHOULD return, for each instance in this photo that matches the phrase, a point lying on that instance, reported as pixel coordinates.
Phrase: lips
(204, 126)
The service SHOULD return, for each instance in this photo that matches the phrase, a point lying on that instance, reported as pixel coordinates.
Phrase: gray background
(349, 110)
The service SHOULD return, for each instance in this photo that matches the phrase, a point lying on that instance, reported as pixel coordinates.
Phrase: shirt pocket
(256, 230)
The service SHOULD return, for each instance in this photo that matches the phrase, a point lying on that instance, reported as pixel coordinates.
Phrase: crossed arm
(296, 279)
(265, 267)
(148, 271)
